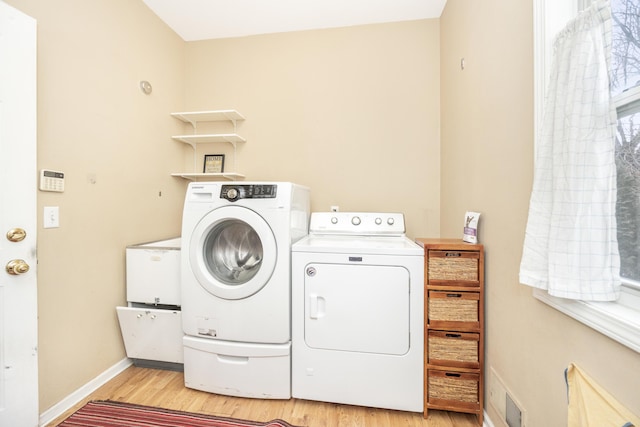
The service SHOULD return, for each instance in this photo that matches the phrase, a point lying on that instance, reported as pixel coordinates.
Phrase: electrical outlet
(335, 208)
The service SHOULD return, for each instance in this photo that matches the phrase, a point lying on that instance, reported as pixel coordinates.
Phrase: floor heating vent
(513, 413)
(503, 401)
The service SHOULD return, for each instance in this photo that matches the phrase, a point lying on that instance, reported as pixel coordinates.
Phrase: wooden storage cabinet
(454, 326)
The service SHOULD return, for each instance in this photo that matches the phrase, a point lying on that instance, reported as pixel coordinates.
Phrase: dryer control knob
(391, 221)
(334, 220)
(378, 221)
(356, 220)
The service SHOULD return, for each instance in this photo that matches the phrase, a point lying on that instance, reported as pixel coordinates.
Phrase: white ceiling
(210, 19)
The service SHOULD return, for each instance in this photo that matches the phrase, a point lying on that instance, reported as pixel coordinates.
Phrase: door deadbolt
(16, 235)
(17, 266)
(311, 271)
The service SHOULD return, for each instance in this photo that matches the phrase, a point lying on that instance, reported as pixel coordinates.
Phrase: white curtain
(570, 246)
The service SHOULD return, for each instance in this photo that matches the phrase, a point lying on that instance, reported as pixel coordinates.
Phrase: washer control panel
(357, 223)
(233, 192)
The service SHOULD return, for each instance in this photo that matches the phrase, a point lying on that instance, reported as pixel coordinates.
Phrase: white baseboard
(68, 402)
(486, 421)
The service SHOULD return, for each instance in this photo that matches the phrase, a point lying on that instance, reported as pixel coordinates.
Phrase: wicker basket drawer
(458, 349)
(454, 389)
(444, 267)
(454, 310)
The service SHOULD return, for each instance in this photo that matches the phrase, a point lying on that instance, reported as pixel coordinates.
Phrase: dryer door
(357, 308)
(232, 252)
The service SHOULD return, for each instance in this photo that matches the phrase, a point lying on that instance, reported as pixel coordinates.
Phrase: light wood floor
(166, 389)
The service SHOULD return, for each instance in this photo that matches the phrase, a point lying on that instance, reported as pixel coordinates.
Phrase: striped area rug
(117, 414)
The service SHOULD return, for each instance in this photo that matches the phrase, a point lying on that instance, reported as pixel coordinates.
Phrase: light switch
(51, 217)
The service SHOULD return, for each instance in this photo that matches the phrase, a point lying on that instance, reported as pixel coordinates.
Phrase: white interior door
(18, 180)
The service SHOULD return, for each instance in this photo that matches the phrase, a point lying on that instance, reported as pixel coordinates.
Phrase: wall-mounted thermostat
(51, 180)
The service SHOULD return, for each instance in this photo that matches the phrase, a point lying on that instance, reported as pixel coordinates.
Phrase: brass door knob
(16, 235)
(17, 266)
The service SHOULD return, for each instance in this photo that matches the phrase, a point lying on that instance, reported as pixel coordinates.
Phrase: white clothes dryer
(357, 301)
(236, 285)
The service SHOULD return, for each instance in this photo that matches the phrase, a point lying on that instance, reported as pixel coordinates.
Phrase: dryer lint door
(357, 308)
(232, 252)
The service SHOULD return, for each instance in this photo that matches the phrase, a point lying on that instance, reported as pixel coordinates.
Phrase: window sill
(618, 320)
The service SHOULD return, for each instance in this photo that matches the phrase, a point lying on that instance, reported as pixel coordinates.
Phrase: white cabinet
(233, 138)
(151, 323)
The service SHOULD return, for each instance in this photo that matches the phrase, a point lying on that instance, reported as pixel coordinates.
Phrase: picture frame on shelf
(213, 163)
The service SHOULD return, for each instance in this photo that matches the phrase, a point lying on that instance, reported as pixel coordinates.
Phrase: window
(619, 320)
(625, 87)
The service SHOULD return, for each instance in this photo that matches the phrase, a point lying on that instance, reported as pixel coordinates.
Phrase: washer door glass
(233, 252)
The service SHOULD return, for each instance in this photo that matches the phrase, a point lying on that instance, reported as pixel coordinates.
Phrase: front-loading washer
(236, 285)
(357, 306)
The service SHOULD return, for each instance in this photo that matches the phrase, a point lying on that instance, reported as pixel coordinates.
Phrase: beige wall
(487, 158)
(93, 121)
(353, 113)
